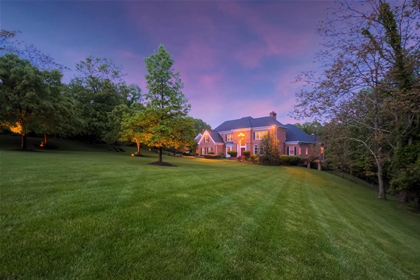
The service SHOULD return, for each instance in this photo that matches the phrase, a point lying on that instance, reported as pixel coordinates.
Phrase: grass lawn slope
(104, 215)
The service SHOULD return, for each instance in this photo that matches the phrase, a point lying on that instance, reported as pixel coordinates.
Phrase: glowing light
(132, 155)
(41, 145)
(241, 135)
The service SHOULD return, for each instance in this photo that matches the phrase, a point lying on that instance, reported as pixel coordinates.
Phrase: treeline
(369, 93)
(97, 104)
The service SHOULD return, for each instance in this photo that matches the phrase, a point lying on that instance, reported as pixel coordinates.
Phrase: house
(245, 134)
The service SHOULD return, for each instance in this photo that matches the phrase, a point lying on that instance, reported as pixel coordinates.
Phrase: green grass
(78, 214)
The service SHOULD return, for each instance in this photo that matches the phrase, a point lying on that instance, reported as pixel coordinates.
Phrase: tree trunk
(382, 194)
(45, 139)
(160, 154)
(308, 164)
(319, 165)
(23, 145)
(138, 147)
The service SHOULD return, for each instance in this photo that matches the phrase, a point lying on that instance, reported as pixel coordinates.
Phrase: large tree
(98, 88)
(370, 46)
(167, 106)
(28, 95)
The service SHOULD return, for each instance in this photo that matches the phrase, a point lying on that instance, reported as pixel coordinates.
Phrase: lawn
(106, 215)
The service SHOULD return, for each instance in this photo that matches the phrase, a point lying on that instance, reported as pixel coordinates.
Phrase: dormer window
(229, 137)
(206, 138)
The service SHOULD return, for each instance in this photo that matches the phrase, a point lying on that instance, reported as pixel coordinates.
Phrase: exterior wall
(206, 145)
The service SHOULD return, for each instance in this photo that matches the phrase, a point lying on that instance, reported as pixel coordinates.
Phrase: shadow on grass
(162, 164)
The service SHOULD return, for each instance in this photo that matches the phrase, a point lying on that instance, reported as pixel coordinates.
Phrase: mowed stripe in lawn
(102, 215)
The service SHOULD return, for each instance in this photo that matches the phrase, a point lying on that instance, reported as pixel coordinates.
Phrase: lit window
(256, 149)
(292, 151)
(260, 134)
(306, 152)
(229, 137)
(206, 138)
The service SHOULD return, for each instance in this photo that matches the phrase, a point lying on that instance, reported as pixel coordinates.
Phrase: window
(291, 150)
(260, 135)
(256, 149)
(206, 138)
(210, 149)
(228, 149)
(306, 152)
(229, 137)
(300, 150)
(242, 142)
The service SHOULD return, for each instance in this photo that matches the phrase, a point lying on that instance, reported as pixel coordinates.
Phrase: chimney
(273, 115)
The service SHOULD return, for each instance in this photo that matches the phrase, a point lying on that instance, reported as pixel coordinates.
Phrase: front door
(242, 151)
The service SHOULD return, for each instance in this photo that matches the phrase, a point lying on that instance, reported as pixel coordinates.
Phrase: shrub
(233, 153)
(290, 160)
(209, 156)
(247, 154)
(210, 153)
(240, 158)
(254, 158)
(222, 155)
(193, 154)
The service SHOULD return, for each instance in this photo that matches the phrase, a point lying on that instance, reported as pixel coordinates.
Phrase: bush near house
(222, 155)
(212, 156)
(254, 158)
(247, 154)
(210, 153)
(233, 153)
(290, 160)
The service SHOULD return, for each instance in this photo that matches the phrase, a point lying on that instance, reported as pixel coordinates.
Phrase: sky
(236, 59)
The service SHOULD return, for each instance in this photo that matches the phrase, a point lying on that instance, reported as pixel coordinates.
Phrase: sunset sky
(236, 59)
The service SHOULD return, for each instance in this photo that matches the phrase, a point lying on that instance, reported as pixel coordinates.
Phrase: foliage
(254, 158)
(210, 153)
(290, 160)
(166, 110)
(270, 149)
(222, 155)
(98, 89)
(212, 156)
(405, 170)
(30, 99)
(369, 88)
(233, 153)
(200, 126)
(310, 128)
(246, 154)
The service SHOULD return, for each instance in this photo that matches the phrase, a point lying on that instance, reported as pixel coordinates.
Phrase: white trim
(203, 137)
(198, 135)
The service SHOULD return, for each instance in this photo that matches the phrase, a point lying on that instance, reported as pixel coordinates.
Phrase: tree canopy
(369, 86)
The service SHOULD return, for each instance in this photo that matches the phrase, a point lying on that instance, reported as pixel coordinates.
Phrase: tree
(134, 124)
(99, 88)
(9, 44)
(368, 45)
(200, 126)
(27, 95)
(310, 128)
(270, 149)
(167, 106)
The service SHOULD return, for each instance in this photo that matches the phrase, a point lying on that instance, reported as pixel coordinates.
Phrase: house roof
(295, 134)
(215, 136)
(248, 122)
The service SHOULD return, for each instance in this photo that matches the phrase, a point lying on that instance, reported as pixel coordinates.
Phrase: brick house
(245, 134)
